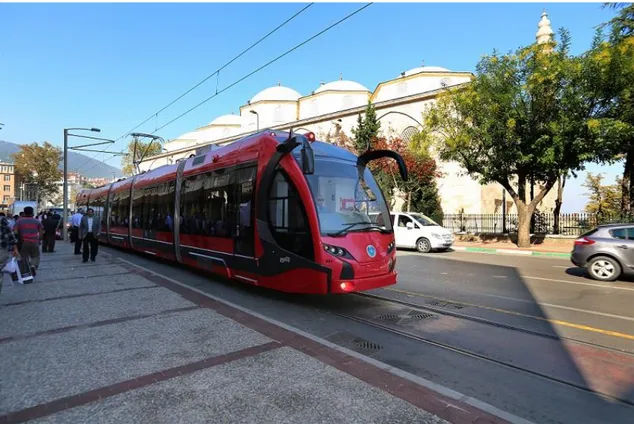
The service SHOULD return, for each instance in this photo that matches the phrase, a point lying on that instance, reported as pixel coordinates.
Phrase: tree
(143, 151)
(525, 117)
(609, 70)
(38, 165)
(603, 200)
(366, 131)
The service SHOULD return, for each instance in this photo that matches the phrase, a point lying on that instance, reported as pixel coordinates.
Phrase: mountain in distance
(90, 168)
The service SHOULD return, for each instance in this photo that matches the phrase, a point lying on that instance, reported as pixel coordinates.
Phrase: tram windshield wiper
(352, 224)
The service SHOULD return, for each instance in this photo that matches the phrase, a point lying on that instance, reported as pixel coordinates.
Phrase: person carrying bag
(8, 247)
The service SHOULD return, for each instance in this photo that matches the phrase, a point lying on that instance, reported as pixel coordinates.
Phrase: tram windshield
(345, 203)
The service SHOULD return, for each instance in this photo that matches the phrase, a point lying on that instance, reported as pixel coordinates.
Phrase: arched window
(408, 133)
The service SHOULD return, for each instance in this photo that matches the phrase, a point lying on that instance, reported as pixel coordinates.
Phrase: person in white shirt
(89, 231)
(75, 220)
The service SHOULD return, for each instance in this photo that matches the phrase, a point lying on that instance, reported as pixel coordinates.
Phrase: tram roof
(228, 155)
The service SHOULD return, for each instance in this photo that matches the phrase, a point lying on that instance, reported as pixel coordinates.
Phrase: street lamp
(65, 191)
(257, 118)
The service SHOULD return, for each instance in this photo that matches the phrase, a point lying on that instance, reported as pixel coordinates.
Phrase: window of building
(6, 198)
(287, 217)
(7, 177)
(7, 188)
(408, 133)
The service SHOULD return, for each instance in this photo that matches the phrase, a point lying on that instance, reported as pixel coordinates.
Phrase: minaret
(545, 32)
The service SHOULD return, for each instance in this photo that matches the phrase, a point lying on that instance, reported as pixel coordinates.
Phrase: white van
(18, 206)
(415, 230)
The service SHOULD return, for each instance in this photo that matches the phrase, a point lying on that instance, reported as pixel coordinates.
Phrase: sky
(112, 66)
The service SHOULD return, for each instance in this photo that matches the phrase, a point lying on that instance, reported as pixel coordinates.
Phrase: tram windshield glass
(346, 203)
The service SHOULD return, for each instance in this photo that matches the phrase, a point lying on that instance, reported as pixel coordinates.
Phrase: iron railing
(570, 224)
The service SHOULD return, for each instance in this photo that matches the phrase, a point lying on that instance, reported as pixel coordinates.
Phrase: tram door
(244, 243)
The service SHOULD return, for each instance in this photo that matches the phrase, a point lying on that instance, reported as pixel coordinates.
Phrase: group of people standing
(22, 234)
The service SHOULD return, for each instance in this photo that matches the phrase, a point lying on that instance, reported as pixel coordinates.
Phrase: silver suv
(607, 252)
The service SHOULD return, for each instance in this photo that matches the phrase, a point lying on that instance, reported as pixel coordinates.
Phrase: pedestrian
(30, 231)
(89, 231)
(74, 236)
(50, 226)
(8, 245)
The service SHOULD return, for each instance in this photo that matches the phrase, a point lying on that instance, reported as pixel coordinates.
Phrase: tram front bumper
(362, 284)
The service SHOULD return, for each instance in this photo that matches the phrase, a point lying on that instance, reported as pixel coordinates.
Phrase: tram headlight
(337, 251)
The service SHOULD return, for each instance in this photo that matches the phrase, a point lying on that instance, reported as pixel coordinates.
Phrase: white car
(415, 230)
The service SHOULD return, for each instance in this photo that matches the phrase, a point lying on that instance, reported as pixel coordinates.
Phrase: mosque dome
(276, 93)
(424, 69)
(341, 85)
(227, 120)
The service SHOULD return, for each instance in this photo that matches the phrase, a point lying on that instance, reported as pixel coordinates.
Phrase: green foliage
(366, 131)
(602, 199)
(427, 201)
(609, 75)
(38, 165)
(526, 115)
(142, 151)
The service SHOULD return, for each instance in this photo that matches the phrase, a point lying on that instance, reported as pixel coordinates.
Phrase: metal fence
(570, 224)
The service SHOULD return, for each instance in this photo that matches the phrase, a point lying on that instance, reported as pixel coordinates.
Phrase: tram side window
(165, 206)
(208, 204)
(288, 219)
(137, 208)
(123, 207)
(158, 207)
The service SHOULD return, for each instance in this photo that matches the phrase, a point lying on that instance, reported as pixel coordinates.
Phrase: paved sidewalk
(548, 250)
(112, 342)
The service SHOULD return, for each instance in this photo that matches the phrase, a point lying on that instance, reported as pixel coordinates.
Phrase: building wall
(7, 185)
(400, 106)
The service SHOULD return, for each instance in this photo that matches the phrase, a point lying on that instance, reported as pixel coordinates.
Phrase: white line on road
(598, 286)
(561, 266)
(550, 305)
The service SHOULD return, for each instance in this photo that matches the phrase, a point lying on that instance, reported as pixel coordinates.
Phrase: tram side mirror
(371, 155)
(308, 161)
(308, 157)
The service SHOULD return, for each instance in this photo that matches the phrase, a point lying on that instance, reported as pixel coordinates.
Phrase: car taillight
(584, 242)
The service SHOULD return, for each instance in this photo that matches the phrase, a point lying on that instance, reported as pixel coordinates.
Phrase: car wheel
(604, 268)
(423, 245)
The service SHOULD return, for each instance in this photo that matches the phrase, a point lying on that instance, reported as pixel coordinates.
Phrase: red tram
(263, 211)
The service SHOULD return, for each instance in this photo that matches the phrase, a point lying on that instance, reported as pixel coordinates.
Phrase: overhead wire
(216, 72)
(340, 21)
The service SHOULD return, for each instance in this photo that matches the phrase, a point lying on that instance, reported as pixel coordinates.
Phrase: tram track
(472, 318)
(429, 340)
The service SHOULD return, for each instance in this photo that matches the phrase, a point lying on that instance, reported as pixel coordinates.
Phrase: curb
(440, 389)
(511, 252)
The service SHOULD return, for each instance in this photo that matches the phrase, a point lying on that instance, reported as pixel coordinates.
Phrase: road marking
(550, 305)
(498, 276)
(599, 286)
(520, 314)
(561, 266)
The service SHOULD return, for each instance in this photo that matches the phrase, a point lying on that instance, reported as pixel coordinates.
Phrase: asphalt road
(548, 295)
(523, 334)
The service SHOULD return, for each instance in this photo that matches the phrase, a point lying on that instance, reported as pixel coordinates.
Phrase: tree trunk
(626, 182)
(561, 183)
(524, 215)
